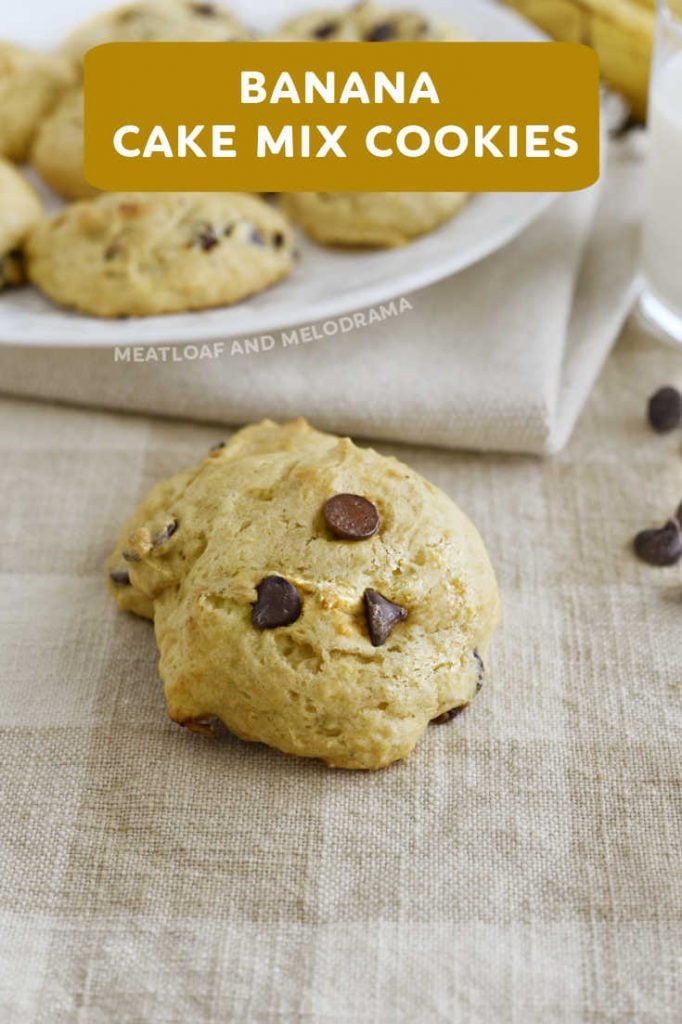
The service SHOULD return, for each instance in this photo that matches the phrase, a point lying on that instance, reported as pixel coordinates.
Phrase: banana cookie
(139, 254)
(20, 211)
(156, 21)
(57, 151)
(30, 85)
(379, 219)
(310, 594)
(369, 23)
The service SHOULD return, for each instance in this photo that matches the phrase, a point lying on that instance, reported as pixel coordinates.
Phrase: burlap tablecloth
(521, 868)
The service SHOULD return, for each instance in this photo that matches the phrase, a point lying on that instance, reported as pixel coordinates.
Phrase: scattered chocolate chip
(131, 556)
(278, 603)
(351, 517)
(423, 28)
(228, 229)
(665, 409)
(382, 615)
(381, 32)
(660, 547)
(256, 237)
(205, 10)
(120, 577)
(278, 239)
(481, 671)
(206, 236)
(325, 30)
(218, 446)
(112, 251)
(165, 534)
(447, 716)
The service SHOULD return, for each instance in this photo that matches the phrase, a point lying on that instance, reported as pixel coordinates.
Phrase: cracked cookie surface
(324, 647)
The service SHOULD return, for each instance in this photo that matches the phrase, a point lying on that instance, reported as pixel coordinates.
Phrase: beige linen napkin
(499, 357)
(522, 867)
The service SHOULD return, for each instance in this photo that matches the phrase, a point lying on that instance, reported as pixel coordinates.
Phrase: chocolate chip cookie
(373, 219)
(139, 254)
(310, 594)
(368, 23)
(156, 21)
(20, 211)
(57, 151)
(30, 84)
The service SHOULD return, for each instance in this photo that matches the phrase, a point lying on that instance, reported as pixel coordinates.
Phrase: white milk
(662, 254)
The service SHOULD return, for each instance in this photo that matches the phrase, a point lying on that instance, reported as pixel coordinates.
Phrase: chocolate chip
(381, 32)
(206, 236)
(351, 517)
(660, 547)
(112, 251)
(120, 577)
(228, 229)
(325, 30)
(278, 603)
(447, 716)
(481, 671)
(278, 239)
(131, 556)
(256, 237)
(218, 446)
(665, 409)
(205, 10)
(165, 534)
(382, 615)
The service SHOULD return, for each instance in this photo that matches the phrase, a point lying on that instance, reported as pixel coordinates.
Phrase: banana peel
(621, 31)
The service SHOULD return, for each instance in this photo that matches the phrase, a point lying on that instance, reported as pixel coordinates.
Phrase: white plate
(327, 282)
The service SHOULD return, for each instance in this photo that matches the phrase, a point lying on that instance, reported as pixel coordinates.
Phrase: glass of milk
(661, 300)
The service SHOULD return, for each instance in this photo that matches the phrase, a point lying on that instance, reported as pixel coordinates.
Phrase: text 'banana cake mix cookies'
(310, 594)
(139, 254)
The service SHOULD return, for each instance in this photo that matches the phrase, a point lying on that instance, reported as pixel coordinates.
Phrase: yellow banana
(621, 31)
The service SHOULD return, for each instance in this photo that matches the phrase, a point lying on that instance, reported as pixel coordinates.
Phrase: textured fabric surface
(501, 357)
(522, 867)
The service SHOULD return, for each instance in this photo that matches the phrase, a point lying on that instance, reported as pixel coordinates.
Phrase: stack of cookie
(143, 254)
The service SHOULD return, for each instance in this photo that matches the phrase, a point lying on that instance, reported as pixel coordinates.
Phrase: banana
(621, 31)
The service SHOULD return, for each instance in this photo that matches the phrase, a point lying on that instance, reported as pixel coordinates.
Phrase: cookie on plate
(378, 219)
(57, 151)
(156, 21)
(138, 254)
(310, 594)
(30, 84)
(20, 211)
(369, 23)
